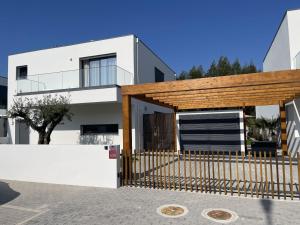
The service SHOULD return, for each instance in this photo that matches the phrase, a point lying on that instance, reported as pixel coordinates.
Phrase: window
(99, 71)
(21, 72)
(99, 129)
(3, 127)
(3, 97)
(159, 76)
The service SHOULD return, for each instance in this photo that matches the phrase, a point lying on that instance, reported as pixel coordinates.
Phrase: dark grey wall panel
(207, 132)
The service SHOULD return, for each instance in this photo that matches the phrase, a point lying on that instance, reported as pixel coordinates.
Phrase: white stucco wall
(278, 56)
(294, 35)
(269, 111)
(68, 132)
(71, 165)
(147, 61)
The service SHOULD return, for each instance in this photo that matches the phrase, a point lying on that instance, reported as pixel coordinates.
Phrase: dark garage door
(207, 132)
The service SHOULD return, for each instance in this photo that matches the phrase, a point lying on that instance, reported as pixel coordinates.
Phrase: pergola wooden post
(127, 129)
(283, 134)
(127, 136)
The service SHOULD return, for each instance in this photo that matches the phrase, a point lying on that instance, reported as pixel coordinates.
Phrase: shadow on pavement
(6, 193)
(267, 207)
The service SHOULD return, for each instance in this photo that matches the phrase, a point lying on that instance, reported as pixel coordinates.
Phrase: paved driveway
(35, 203)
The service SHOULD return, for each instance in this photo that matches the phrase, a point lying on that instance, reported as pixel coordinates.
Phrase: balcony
(75, 79)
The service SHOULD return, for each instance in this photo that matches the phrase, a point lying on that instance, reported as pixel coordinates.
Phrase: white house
(91, 74)
(284, 54)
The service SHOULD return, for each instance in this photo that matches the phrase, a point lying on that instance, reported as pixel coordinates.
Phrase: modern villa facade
(284, 54)
(90, 74)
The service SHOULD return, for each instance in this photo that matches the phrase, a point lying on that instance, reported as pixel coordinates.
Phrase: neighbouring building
(284, 54)
(91, 74)
(3, 108)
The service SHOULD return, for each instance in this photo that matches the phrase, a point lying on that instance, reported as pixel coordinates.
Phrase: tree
(182, 76)
(196, 72)
(224, 66)
(213, 70)
(236, 67)
(43, 114)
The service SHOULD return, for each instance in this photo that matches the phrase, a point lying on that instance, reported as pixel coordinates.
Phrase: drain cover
(220, 215)
(172, 210)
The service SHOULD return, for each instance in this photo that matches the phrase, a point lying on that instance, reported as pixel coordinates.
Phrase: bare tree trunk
(41, 138)
(47, 138)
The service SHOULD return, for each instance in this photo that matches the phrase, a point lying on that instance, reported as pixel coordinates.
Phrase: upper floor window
(97, 71)
(159, 76)
(22, 72)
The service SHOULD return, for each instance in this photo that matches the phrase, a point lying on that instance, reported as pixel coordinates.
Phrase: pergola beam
(212, 100)
(225, 105)
(230, 94)
(295, 86)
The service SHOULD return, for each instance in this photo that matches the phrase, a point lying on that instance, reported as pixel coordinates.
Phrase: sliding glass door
(99, 71)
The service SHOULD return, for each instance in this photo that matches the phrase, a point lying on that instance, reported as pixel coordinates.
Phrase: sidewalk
(35, 203)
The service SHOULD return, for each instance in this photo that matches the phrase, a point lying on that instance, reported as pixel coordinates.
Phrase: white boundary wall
(83, 165)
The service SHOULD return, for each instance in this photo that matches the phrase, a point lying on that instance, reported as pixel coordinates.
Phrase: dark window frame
(92, 58)
(159, 76)
(113, 129)
(20, 76)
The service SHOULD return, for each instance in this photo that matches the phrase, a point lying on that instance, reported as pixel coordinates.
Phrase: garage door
(211, 131)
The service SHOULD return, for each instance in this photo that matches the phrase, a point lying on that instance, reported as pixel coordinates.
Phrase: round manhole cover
(220, 215)
(172, 210)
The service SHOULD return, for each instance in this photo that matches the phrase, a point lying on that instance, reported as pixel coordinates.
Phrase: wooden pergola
(258, 89)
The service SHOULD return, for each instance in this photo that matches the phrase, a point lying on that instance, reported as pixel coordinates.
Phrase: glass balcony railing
(64, 80)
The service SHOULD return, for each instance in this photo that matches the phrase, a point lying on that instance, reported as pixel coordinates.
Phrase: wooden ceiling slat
(226, 96)
(229, 98)
(227, 105)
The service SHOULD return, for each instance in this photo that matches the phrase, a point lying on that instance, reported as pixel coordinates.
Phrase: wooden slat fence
(256, 175)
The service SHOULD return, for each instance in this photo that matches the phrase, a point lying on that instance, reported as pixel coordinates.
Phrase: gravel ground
(36, 203)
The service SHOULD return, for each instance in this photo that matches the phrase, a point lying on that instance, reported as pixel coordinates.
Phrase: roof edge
(67, 45)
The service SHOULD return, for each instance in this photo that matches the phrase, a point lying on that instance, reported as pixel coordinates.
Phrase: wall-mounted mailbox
(113, 152)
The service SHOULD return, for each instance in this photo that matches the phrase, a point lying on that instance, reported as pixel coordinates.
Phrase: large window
(95, 129)
(99, 71)
(159, 76)
(21, 72)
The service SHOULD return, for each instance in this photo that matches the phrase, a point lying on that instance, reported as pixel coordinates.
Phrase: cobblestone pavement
(36, 203)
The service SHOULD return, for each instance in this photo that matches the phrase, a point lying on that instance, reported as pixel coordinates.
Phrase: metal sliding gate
(222, 172)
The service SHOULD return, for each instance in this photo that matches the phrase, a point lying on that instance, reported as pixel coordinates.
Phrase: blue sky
(183, 33)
